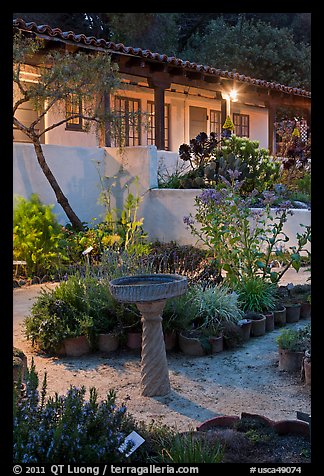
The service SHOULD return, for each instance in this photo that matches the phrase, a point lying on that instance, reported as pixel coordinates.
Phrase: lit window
(215, 123)
(241, 125)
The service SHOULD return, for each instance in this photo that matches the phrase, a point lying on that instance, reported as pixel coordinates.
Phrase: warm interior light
(233, 95)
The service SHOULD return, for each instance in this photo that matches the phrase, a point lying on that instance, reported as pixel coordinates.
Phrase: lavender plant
(68, 428)
(243, 239)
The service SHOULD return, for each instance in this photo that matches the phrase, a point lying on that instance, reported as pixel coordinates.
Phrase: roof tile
(163, 58)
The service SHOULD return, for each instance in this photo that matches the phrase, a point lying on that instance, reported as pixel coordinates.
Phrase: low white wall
(75, 169)
(164, 210)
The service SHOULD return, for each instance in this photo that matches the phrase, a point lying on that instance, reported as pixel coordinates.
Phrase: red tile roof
(142, 53)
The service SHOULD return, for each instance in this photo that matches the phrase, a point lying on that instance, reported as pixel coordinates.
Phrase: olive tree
(88, 77)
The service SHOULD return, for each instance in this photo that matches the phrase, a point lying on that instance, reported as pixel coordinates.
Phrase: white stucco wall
(75, 169)
(169, 206)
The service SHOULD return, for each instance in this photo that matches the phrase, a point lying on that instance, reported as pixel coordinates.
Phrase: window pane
(73, 106)
(151, 124)
(215, 123)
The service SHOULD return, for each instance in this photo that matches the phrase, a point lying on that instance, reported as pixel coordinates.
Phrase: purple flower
(210, 194)
(234, 174)
(188, 220)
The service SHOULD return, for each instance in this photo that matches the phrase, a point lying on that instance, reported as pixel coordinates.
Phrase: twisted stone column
(154, 366)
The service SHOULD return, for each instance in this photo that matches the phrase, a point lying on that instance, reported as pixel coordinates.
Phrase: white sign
(85, 252)
(135, 438)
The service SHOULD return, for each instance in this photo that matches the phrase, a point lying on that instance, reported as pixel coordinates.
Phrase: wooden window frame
(73, 126)
(151, 124)
(128, 137)
(218, 122)
(238, 126)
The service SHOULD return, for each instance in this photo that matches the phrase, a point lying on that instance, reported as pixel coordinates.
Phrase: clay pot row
(292, 313)
(78, 346)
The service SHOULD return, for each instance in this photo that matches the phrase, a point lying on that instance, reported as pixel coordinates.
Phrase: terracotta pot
(280, 316)
(18, 369)
(281, 427)
(170, 340)
(108, 342)
(217, 344)
(134, 340)
(245, 329)
(292, 312)
(307, 370)
(76, 346)
(290, 361)
(305, 310)
(19, 365)
(258, 326)
(190, 345)
(269, 321)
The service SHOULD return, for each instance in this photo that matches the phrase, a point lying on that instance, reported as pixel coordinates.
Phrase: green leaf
(274, 276)
(296, 265)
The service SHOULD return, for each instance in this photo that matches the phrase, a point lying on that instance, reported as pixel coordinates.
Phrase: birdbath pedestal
(149, 292)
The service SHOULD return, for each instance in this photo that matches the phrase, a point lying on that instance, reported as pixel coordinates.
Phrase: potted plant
(257, 296)
(19, 364)
(258, 324)
(306, 308)
(292, 344)
(292, 305)
(245, 327)
(129, 319)
(105, 328)
(215, 306)
(306, 367)
(279, 315)
(176, 318)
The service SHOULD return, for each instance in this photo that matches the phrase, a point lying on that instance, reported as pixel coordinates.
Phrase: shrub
(180, 312)
(68, 428)
(78, 306)
(37, 236)
(243, 239)
(193, 262)
(257, 169)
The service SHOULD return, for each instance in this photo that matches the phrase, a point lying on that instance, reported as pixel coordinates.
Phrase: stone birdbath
(149, 292)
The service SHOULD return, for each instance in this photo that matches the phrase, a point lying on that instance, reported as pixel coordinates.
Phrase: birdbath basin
(149, 292)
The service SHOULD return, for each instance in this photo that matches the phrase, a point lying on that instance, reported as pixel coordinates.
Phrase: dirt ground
(245, 379)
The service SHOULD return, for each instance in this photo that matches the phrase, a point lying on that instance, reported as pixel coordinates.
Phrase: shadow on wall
(76, 171)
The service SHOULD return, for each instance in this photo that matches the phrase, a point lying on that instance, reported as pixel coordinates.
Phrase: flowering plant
(243, 239)
(67, 428)
(228, 124)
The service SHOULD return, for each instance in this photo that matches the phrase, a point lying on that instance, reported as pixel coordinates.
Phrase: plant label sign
(135, 438)
(85, 252)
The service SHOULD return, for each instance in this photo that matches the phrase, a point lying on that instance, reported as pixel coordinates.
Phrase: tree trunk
(61, 198)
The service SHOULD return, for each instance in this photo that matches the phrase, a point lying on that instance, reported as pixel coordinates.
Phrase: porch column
(107, 133)
(159, 86)
(271, 128)
(223, 111)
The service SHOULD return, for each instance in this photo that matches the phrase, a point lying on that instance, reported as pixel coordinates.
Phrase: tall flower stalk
(243, 240)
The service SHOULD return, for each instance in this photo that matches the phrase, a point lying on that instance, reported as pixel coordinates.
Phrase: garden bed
(254, 439)
(243, 379)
